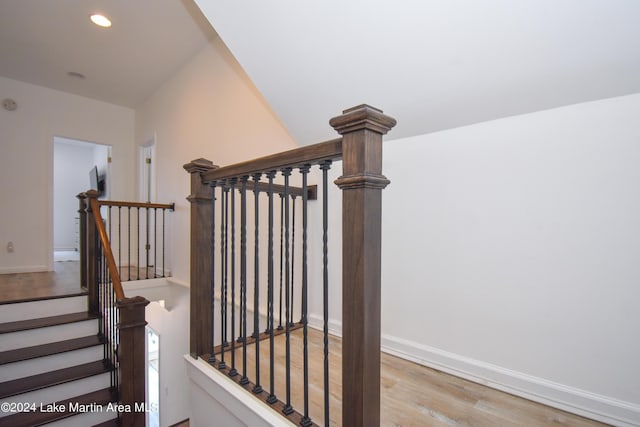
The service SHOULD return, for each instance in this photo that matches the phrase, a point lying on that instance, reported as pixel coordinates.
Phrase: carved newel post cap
(199, 166)
(362, 117)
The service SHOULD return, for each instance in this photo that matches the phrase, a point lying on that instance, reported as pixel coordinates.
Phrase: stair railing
(122, 319)
(222, 198)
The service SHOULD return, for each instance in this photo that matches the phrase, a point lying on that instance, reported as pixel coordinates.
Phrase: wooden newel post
(91, 254)
(131, 358)
(362, 183)
(82, 239)
(201, 269)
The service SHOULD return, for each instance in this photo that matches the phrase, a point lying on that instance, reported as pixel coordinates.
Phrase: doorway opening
(147, 176)
(77, 166)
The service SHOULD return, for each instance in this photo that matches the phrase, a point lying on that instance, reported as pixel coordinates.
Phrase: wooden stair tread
(82, 293)
(26, 353)
(37, 418)
(43, 322)
(109, 423)
(48, 379)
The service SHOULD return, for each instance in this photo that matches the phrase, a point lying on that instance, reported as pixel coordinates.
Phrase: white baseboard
(24, 269)
(602, 408)
(335, 326)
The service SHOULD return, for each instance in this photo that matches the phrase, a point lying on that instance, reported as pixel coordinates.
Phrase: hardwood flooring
(64, 280)
(411, 394)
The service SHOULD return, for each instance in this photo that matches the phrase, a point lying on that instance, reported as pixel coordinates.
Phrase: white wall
(26, 163)
(510, 254)
(507, 245)
(208, 109)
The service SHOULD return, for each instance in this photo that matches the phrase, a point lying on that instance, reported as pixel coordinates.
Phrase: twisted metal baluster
(223, 272)
(325, 166)
(306, 420)
(138, 243)
(212, 184)
(270, 326)
(233, 372)
(281, 256)
(293, 255)
(288, 409)
(256, 274)
(155, 243)
(243, 274)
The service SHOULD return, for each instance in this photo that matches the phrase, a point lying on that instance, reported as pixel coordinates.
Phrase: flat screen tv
(97, 182)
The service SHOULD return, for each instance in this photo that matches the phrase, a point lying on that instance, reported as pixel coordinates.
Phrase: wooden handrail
(129, 374)
(311, 154)
(106, 246)
(137, 204)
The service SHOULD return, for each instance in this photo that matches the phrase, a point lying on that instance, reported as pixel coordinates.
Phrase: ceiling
(431, 64)
(42, 40)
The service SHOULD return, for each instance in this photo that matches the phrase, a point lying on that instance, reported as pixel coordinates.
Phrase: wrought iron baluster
(306, 419)
(288, 409)
(138, 243)
(281, 256)
(147, 246)
(102, 303)
(233, 371)
(293, 255)
(114, 328)
(120, 239)
(155, 243)
(243, 274)
(325, 166)
(270, 323)
(109, 221)
(129, 242)
(224, 192)
(212, 184)
(163, 225)
(256, 273)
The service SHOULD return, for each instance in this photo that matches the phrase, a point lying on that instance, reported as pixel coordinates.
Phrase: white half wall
(26, 163)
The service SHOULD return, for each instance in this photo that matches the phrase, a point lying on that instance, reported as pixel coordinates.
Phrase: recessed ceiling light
(75, 74)
(100, 20)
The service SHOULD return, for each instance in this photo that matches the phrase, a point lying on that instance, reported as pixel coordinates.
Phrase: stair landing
(20, 287)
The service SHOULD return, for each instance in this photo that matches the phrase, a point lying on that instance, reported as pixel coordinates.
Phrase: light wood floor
(411, 394)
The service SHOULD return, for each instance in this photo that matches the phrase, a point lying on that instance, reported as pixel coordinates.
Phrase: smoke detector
(9, 104)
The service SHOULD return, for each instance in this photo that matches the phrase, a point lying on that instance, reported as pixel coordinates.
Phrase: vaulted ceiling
(432, 64)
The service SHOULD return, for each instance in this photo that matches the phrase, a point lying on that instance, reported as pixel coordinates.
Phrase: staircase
(52, 368)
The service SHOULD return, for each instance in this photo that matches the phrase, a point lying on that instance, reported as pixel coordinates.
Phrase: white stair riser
(44, 308)
(40, 365)
(61, 391)
(47, 335)
(85, 419)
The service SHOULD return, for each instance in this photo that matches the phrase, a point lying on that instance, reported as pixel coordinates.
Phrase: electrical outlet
(10, 247)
